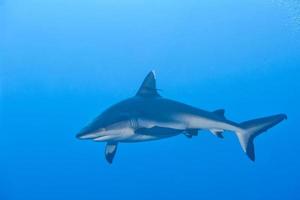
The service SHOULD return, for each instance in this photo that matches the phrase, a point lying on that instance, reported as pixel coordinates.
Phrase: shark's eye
(100, 130)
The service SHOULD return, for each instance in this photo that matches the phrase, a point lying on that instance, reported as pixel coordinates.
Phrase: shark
(148, 116)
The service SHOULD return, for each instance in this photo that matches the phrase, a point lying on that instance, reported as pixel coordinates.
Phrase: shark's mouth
(105, 138)
(102, 135)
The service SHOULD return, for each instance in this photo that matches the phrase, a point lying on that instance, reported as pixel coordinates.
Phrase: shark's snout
(85, 134)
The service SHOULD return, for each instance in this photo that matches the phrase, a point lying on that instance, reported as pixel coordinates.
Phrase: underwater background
(63, 62)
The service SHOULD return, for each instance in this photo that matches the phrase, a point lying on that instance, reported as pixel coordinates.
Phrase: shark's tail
(250, 129)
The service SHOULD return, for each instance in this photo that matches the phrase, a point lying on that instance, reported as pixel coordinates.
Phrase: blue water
(63, 62)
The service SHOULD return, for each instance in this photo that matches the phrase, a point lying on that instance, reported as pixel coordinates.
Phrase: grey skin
(148, 116)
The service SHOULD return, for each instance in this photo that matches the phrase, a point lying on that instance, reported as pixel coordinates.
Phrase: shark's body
(148, 116)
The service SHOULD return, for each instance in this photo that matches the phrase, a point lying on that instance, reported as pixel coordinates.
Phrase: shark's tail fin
(250, 129)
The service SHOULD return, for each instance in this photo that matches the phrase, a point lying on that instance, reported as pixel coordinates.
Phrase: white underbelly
(129, 136)
(128, 133)
(143, 138)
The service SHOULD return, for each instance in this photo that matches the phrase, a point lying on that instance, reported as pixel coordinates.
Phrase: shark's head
(111, 132)
(88, 133)
(112, 124)
(119, 120)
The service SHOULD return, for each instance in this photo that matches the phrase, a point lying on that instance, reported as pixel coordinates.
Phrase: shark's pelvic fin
(191, 132)
(110, 151)
(148, 87)
(251, 129)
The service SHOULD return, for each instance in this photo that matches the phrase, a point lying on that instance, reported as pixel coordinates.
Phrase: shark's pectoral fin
(110, 151)
(158, 131)
(217, 132)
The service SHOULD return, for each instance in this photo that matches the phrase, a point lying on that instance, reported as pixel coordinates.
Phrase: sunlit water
(63, 62)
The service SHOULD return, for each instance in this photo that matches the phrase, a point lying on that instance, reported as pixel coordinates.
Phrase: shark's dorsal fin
(148, 87)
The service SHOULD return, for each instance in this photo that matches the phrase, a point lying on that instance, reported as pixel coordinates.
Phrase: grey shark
(148, 116)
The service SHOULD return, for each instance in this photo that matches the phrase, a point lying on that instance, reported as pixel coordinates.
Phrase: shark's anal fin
(217, 132)
(148, 87)
(110, 151)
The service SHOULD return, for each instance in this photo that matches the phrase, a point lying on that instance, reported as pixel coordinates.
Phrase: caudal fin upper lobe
(250, 129)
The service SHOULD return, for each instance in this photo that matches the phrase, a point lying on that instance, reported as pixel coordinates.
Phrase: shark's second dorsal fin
(148, 87)
(220, 113)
